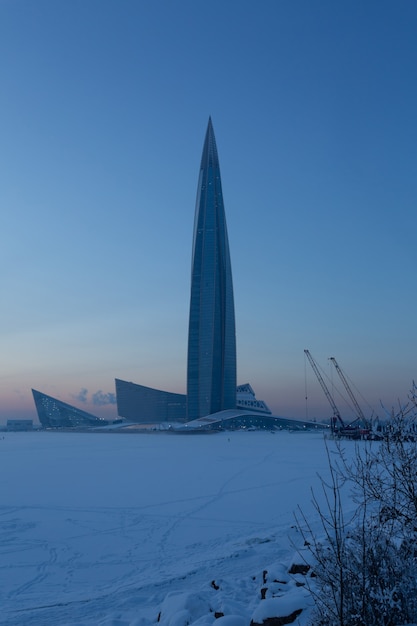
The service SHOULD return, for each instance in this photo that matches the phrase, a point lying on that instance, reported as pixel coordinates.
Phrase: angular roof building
(53, 413)
(139, 403)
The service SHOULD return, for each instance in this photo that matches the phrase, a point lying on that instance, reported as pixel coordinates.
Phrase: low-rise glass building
(53, 413)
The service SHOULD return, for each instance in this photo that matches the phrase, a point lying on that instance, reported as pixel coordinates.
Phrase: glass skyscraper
(211, 368)
(213, 401)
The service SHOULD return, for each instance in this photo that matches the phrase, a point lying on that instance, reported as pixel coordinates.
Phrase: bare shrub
(366, 566)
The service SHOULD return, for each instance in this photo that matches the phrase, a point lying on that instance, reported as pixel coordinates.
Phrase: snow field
(128, 529)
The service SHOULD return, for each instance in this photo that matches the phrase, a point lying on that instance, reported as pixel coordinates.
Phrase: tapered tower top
(209, 157)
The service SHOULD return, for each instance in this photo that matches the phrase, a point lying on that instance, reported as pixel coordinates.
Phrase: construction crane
(348, 430)
(336, 414)
(350, 392)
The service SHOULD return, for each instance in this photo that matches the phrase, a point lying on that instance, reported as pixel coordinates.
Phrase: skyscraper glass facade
(211, 368)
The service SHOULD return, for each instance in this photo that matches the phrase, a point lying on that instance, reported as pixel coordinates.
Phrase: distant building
(53, 413)
(19, 425)
(246, 399)
(140, 404)
(137, 403)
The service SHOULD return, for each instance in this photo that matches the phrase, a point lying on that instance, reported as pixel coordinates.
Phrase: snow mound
(182, 609)
(290, 604)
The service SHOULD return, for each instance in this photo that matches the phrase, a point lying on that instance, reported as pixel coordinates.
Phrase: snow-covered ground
(117, 529)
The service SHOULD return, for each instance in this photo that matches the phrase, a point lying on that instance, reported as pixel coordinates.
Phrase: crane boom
(324, 387)
(348, 389)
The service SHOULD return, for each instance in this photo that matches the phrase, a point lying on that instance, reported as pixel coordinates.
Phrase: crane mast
(349, 390)
(332, 403)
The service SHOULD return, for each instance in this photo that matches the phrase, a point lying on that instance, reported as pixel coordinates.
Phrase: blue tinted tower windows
(211, 369)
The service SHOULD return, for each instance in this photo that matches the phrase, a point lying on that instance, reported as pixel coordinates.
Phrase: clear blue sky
(104, 107)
